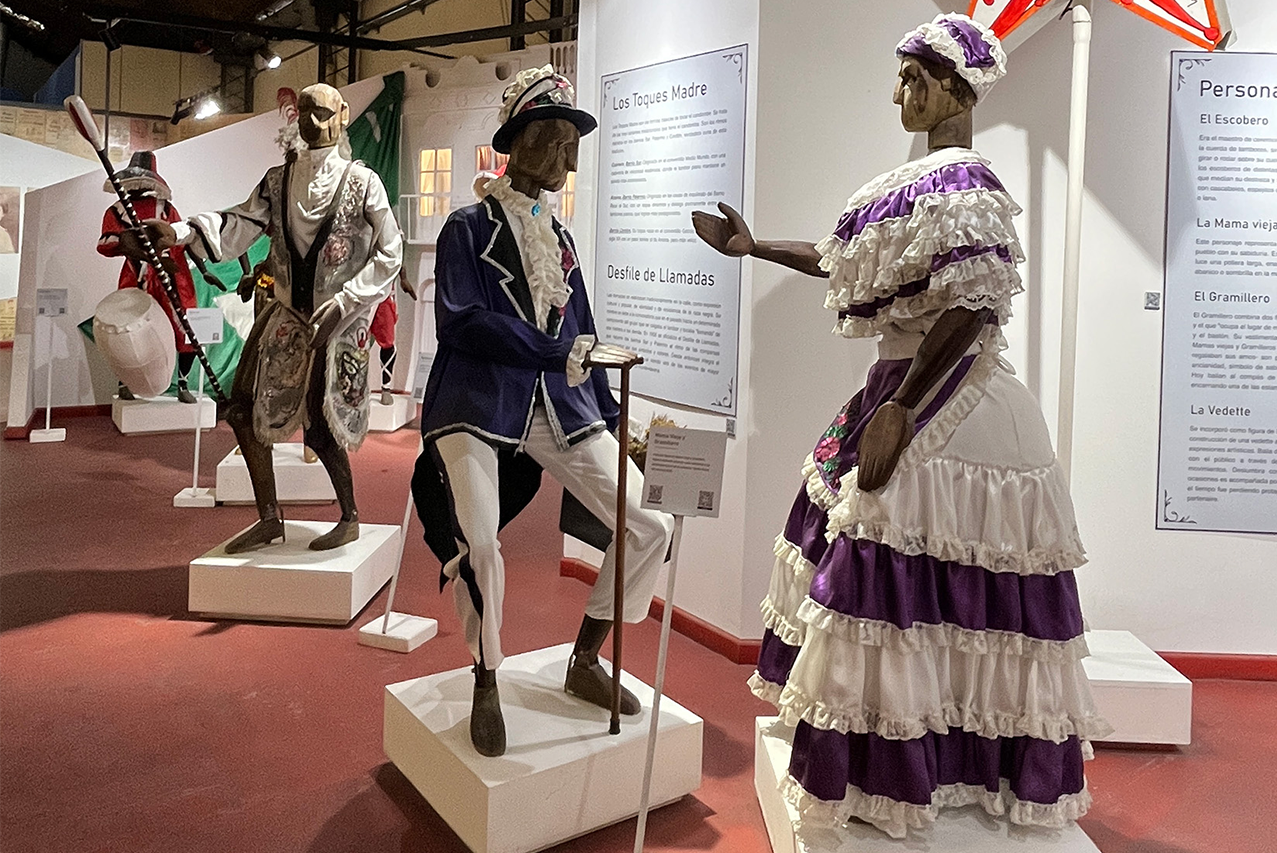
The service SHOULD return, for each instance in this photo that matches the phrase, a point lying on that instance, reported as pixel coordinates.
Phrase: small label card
(50, 301)
(425, 361)
(206, 323)
(684, 471)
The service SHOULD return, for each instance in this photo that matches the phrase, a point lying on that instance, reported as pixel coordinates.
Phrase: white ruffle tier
(896, 818)
(979, 485)
(888, 254)
(1032, 688)
(985, 281)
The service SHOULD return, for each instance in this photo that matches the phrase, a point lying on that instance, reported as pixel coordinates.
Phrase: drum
(135, 337)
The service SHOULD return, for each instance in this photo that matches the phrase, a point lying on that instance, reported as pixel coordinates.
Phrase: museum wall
(144, 80)
(616, 35)
(63, 222)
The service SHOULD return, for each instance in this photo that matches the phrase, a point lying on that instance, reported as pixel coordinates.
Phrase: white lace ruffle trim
(922, 636)
(1001, 519)
(576, 370)
(984, 281)
(893, 252)
(896, 818)
(540, 245)
(1056, 724)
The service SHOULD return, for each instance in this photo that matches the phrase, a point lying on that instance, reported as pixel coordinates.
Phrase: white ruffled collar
(542, 254)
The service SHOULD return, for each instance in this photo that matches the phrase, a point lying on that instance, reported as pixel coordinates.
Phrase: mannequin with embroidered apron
(335, 253)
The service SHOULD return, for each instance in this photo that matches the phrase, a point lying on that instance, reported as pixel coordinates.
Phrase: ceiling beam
(487, 33)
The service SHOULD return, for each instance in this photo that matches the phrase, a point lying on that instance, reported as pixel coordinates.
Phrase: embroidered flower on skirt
(568, 262)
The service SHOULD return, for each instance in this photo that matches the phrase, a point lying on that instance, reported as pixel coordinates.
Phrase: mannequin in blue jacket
(512, 393)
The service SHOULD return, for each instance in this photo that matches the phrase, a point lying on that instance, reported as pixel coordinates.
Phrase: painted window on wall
(435, 182)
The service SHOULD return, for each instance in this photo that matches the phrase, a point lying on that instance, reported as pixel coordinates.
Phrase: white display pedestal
(562, 775)
(289, 582)
(966, 830)
(1142, 696)
(296, 480)
(390, 418)
(404, 632)
(161, 414)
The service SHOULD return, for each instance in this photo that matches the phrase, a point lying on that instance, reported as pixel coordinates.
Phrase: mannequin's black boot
(487, 726)
(586, 678)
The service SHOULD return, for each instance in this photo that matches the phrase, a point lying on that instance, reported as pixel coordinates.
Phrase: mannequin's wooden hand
(727, 233)
(407, 288)
(886, 436)
(323, 323)
(610, 355)
(162, 237)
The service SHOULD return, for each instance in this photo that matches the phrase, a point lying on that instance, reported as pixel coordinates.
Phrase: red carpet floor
(128, 725)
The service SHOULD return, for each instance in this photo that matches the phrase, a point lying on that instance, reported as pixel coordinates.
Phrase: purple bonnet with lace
(959, 43)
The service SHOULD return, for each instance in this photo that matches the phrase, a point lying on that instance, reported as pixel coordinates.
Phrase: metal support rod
(1073, 232)
(662, 655)
(518, 15)
(106, 103)
(618, 543)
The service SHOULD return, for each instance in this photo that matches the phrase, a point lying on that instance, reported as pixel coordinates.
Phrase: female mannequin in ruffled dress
(924, 634)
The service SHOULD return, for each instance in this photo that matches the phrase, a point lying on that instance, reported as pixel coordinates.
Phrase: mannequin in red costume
(150, 197)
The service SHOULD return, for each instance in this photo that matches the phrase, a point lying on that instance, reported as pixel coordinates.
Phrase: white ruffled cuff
(576, 370)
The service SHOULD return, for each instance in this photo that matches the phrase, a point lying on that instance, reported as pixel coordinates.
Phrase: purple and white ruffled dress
(925, 639)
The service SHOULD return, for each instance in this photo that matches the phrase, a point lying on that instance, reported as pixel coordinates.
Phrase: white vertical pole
(199, 410)
(403, 540)
(48, 377)
(1073, 230)
(661, 656)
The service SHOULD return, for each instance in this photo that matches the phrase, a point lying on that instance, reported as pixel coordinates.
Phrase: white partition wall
(821, 123)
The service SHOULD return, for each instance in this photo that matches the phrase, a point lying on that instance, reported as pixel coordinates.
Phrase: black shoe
(387, 399)
(345, 531)
(262, 533)
(124, 393)
(487, 726)
(184, 395)
(589, 681)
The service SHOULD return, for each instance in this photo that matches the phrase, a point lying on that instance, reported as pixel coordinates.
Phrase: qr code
(655, 494)
(705, 501)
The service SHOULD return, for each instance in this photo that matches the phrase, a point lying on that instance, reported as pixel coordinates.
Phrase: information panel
(672, 141)
(1217, 466)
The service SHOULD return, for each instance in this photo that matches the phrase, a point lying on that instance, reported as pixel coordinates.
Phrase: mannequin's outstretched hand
(161, 234)
(323, 323)
(610, 355)
(886, 436)
(727, 233)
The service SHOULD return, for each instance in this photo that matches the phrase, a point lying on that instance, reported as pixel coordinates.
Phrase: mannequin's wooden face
(924, 100)
(322, 114)
(543, 153)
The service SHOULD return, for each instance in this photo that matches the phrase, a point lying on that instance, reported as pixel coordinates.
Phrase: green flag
(374, 135)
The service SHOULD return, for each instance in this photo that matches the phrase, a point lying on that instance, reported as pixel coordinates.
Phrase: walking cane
(609, 356)
(83, 121)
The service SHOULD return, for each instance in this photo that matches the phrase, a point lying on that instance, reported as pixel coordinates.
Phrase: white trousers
(588, 470)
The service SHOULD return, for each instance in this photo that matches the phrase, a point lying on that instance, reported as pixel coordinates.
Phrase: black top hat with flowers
(538, 93)
(140, 176)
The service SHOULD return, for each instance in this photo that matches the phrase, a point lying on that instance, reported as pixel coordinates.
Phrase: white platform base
(966, 830)
(296, 480)
(404, 632)
(193, 496)
(47, 436)
(390, 418)
(562, 775)
(1142, 696)
(289, 582)
(161, 414)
